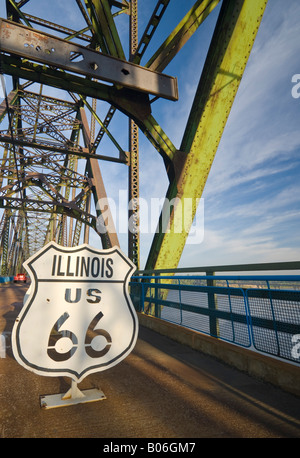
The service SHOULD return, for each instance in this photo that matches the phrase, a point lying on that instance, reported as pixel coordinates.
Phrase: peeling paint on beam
(230, 48)
(41, 47)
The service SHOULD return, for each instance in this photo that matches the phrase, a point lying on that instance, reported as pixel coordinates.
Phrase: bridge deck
(162, 390)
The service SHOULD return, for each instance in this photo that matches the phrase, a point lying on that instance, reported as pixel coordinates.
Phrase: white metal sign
(77, 317)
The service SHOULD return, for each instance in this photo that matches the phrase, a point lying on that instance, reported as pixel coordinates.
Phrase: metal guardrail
(210, 270)
(258, 312)
(6, 279)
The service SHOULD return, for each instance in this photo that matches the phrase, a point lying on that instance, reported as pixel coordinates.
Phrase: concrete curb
(279, 373)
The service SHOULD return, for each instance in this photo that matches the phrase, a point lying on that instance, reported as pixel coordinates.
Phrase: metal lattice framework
(50, 176)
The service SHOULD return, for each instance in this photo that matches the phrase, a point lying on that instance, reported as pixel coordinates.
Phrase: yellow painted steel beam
(230, 48)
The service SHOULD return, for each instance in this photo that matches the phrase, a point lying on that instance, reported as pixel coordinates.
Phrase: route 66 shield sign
(77, 317)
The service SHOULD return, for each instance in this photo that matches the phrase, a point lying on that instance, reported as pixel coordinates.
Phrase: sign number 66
(62, 344)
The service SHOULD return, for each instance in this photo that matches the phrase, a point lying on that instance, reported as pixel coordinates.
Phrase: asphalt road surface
(161, 390)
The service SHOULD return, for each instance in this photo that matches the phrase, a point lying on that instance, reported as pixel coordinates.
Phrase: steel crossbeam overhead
(52, 146)
(40, 47)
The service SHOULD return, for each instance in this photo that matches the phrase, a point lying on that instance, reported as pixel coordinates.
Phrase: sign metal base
(72, 397)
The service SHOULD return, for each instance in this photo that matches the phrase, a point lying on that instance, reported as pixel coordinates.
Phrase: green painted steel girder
(11, 99)
(181, 34)
(134, 104)
(104, 27)
(152, 25)
(229, 51)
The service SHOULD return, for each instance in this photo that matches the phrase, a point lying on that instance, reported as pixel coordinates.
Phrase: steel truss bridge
(51, 148)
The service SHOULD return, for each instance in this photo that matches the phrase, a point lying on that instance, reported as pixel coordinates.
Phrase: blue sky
(252, 196)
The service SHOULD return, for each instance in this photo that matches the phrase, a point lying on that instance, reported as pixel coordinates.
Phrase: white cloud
(222, 248)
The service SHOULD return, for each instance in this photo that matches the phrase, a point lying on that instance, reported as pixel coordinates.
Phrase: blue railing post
(274, 319)
(230, 308)
(212, 305)
(180, 304)
(143, 296)
(157, 306)
(246, 308)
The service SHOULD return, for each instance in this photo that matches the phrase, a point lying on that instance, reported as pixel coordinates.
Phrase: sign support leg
(71, 397)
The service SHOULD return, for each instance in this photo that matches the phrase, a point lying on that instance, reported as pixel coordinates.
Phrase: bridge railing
(261, 312)
(6, 279)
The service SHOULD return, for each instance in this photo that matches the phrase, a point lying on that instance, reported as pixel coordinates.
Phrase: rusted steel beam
(109, 236)
(42, 47)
